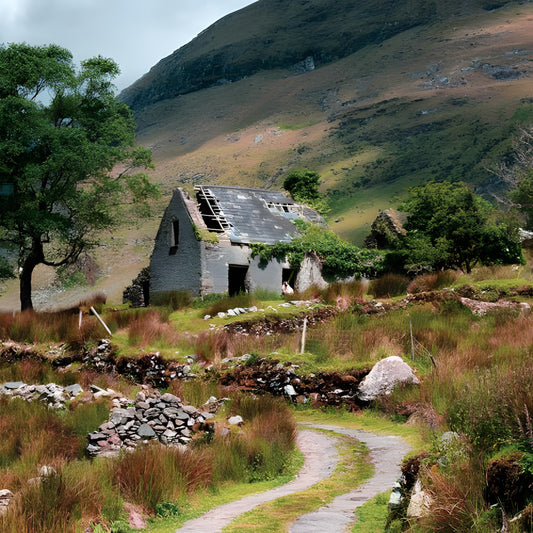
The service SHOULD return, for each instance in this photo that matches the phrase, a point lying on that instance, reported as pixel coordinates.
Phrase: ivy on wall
(340, 259)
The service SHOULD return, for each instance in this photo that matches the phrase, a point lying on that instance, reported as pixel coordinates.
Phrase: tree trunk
(35, 257)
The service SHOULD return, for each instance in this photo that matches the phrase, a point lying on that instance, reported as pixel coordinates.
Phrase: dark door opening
(146, 292)
(237, 279)
(288, 275)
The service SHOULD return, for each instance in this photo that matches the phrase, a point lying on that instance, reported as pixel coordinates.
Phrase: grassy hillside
(438, 99)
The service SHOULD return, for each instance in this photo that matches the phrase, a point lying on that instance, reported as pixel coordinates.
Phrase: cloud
(135, 33)
(12, 10)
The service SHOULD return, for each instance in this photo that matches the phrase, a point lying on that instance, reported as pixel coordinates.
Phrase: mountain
(273, 34)
(375, 96)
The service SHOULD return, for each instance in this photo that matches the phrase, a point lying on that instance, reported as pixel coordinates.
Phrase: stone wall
(181, 270)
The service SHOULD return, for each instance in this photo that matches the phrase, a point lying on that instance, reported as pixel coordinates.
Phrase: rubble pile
(55, 396)
(152, 416)
(325, 388)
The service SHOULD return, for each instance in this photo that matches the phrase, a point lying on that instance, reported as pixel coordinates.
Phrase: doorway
(288, 275)
(237, 279)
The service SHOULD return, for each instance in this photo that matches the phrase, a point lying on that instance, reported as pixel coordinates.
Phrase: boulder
(5, 498)
(420, 502)
(384, 377)
(236, 420)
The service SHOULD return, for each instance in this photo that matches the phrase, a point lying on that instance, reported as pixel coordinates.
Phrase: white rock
(236, 420)
(221, 315)
(420, 502)
(289, 390)
(47, 471)
(385, 376)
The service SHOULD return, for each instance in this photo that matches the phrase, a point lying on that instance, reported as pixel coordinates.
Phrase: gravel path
(321, 457)
(387, 453)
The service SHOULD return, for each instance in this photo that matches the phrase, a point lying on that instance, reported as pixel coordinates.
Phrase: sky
(135, 33)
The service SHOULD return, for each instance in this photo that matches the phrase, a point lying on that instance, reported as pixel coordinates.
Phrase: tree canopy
(451, 227)
(67, 156)
(302, 184)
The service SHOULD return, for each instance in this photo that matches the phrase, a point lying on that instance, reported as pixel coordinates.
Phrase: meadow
(475, 382)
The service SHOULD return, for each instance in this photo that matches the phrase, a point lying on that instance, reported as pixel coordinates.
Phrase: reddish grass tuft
(152, 474)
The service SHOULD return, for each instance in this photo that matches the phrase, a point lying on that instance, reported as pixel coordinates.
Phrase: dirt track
(320, 459)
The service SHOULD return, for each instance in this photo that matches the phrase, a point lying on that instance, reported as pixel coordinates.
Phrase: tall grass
(82, 492)
(61, 326)
(153, 474)
(432, 281)
(149, 327)
(388, 286)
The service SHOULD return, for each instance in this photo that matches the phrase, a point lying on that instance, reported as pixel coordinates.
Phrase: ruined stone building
(202, 245)
(386, 228)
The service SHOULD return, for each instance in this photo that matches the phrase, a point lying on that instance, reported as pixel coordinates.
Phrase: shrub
(388, 286)
(432, 281)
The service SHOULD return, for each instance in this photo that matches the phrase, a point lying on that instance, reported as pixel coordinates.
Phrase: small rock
(74, 390)
(146, 432)
(420, 502)
(47, 471)
(235, 420)
(289, 390)
(5, 498)
(12, 385)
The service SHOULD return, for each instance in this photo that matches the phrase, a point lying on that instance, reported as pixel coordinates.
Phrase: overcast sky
(135, 33)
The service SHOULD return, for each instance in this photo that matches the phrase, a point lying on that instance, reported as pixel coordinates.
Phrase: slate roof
(258, 215)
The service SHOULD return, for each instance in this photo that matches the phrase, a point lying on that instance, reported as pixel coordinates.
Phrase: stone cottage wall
(179, 269)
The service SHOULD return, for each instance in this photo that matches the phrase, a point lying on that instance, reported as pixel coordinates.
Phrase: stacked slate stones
(153, 416)
(55, 396)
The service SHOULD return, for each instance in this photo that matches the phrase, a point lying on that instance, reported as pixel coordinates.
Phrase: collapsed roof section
(251, 215)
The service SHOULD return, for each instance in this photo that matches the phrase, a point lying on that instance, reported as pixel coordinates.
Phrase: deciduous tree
(67, 156)
(451, 227)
